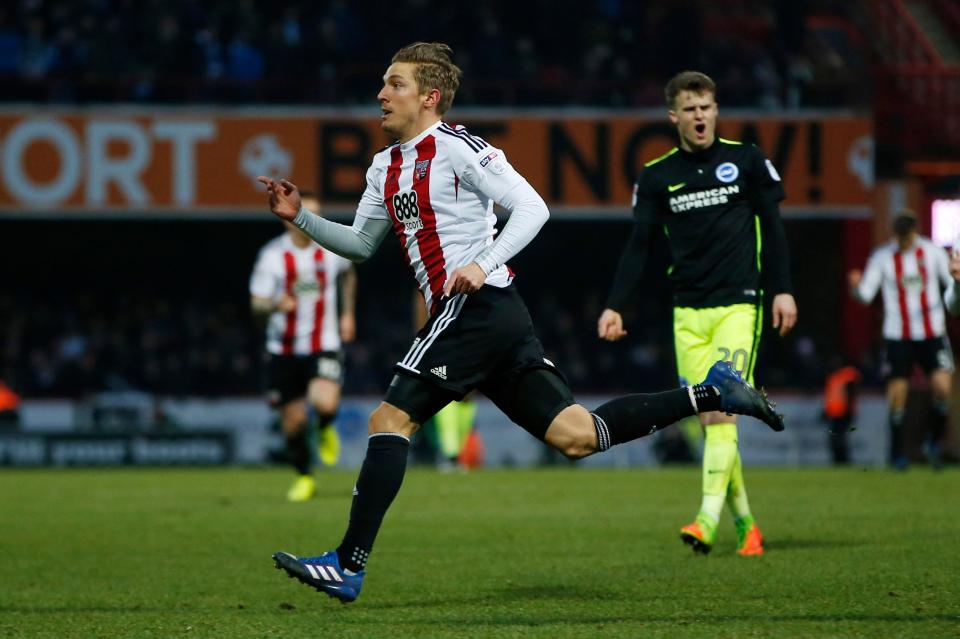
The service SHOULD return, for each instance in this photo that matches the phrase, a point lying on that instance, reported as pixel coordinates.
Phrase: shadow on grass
(781, 545)
(504, 614)
(508, 613)
(508, 618)
(73, 610)
(332, 493)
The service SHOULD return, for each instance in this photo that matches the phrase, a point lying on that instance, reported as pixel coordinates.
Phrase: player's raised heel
(322, 573)
(699, 535)
(737, 397)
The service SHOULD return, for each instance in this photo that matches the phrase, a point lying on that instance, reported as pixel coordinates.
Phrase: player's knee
(326, 405)
(324, 396)
(390, 419)
(572, 433)
(579, 448)
(293, 417)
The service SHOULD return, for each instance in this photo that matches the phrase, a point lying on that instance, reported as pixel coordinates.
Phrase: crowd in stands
(160, 325)
(87, 343)
(84, 343)
(610, 53)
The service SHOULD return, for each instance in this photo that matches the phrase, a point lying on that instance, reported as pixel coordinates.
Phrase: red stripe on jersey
(316, 341)
(390, 188)
(927, 328)
(428, 240)
(290, 329)
(902, 295)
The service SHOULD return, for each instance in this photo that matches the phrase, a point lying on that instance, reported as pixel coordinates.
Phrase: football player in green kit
(717, 201)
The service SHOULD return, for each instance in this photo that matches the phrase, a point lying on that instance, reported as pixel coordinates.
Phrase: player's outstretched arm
(854, 277)
(356, 243)
(284, 197)
(864, 285)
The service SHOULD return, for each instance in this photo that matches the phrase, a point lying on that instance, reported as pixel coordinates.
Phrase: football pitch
(533, 553)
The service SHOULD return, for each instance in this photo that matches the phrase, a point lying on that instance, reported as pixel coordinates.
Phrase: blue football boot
(323, 573)
(737, 397)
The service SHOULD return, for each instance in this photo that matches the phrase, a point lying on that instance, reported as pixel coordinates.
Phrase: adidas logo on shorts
(439, 371)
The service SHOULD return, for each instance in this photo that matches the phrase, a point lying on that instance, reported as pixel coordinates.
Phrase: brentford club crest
(420, 169)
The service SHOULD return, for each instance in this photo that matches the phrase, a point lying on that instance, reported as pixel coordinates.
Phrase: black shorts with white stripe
(472, 341)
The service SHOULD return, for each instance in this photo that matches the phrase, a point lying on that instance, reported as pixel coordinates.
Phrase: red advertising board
(195, 162)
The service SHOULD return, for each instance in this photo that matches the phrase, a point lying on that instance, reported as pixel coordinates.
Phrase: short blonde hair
(692, 81)
(434, 70)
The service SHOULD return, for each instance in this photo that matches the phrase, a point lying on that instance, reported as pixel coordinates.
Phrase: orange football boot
(699, 535)
(750, 540)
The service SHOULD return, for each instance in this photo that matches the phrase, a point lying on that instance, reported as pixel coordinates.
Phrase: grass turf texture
(547, 553)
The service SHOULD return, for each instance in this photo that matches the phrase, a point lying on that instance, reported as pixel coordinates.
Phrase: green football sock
(692, 432)
(448, 429)
(719, 454)
(468, 413)
(737, 500)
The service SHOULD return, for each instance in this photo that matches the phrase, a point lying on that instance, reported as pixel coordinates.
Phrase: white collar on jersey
(409, 144)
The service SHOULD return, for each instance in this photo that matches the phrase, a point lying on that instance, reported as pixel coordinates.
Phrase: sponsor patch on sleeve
(493, 155)
(494, 163)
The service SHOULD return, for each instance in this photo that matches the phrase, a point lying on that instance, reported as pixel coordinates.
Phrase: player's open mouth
(385, 113)
(700, 129)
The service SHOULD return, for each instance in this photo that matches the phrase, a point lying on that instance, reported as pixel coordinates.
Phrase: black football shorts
(289, 375)
(930, 354)
(485, 341)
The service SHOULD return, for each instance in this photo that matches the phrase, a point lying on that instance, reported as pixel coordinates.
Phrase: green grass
(550, 553)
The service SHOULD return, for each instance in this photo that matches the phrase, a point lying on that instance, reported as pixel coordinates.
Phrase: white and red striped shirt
(911, 282)
(438, 190)
(310, 275)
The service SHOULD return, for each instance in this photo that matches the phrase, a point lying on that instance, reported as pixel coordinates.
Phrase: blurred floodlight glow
(945, 222)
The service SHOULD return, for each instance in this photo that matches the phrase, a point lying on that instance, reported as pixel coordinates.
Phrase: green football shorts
(701, 336)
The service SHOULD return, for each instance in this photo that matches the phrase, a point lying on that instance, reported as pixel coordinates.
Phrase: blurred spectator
(215, 50)
(9, 407)
(37, 54)
(840, 407)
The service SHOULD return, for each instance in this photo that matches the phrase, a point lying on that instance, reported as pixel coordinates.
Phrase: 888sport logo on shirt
(406, 211)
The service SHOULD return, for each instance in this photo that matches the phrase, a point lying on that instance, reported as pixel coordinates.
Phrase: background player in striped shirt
(435, 187)
(912, 273)
(306, 294)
